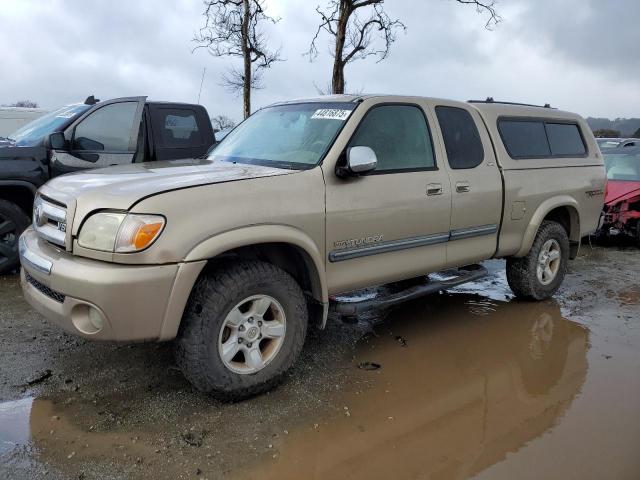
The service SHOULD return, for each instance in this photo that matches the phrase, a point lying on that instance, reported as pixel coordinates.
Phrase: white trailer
(12, 118)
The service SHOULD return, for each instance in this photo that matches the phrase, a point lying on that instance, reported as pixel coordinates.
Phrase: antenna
(201, 82)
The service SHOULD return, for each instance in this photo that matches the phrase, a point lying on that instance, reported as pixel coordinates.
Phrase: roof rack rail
(491, 100)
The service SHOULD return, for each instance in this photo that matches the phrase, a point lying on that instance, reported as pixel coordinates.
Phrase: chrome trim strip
(33, 260)
(390, 246)
(403, 244)
(52, 235)
(54, 213)
(46, 214)
(473, 232)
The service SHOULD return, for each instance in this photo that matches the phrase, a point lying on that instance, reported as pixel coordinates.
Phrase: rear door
(476, 184)
(180, 131)
(105, 135)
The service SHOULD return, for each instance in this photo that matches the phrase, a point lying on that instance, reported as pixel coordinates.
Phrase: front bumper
(126, 302)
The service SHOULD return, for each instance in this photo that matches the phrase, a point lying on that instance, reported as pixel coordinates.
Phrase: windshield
(32, 133)
(292, 136)
(623, 166)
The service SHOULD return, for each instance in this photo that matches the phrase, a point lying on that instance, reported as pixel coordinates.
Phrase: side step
(448, 279)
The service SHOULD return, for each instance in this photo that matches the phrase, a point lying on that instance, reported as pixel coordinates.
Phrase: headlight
(120, 232)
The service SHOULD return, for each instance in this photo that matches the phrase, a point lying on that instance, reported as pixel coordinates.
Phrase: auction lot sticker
(331, 114)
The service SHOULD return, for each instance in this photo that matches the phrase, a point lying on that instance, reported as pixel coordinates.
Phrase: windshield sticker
(66, 114)
(331, 114)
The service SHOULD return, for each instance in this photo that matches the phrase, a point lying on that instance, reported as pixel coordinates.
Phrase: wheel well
(292, 259)
(568, 217)
(18, 195)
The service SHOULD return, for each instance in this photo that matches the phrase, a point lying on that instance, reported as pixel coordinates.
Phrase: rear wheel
(540, 273)
(13, 222)
(243, 328)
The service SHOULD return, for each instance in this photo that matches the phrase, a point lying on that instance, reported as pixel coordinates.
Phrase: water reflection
(465, 391)
(14, 427)
(471, 380)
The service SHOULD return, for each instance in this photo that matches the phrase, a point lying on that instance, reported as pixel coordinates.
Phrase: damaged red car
(622, 197)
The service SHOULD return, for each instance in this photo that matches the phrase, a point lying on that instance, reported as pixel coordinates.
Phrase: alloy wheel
(548, 262)
(252, 334)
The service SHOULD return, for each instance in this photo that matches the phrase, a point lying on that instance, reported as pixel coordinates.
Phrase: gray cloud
(576, 54)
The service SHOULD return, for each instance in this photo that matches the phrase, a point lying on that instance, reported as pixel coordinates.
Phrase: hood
(121, 186)
(619, 190)
(10, 150)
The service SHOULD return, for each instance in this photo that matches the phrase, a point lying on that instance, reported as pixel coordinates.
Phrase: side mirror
(56, 141)
(360, 160)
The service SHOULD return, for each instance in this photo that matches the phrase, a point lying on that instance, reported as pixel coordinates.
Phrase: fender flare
(267, 233)
(19, 183)
(539, 215)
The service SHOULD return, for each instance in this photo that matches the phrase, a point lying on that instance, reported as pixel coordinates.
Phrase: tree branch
(485, 6)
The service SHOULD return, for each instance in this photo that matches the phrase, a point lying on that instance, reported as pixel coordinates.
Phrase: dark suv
(90, 135)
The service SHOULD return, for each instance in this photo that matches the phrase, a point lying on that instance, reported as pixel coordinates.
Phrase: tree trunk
(246, 56)
(337, 80)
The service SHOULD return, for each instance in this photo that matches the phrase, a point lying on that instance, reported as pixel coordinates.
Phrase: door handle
(463, 187)
(434, 189)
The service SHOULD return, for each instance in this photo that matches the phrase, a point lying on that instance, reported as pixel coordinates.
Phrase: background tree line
(353, 29)
(22, 104)
(616, 128)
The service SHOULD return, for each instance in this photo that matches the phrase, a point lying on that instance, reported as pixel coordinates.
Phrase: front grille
(49, 292)
(50, 220)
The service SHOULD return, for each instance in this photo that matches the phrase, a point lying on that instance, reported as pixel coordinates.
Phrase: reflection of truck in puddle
(465, 392)
(477, 380)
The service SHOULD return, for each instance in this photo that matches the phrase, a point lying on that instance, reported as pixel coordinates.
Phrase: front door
(392, 223)
(476, 184)
(106, 135)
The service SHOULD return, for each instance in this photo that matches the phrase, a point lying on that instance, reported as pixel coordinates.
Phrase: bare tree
(232, 28)
(220, 122)
(354, 36)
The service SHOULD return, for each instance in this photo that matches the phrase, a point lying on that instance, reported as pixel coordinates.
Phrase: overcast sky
(579, 55)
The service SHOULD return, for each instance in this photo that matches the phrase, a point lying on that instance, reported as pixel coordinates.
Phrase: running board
(452, 279)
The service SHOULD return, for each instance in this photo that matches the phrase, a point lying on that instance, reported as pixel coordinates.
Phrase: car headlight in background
(120, 232)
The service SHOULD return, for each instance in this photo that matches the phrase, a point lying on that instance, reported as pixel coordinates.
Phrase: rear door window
(461, 137)
(179, 128)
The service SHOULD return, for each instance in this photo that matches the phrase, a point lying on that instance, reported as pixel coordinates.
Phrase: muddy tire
(243, 328)
(540, 273)
(13, 222)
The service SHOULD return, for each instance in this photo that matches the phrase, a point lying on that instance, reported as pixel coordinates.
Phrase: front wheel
(243, 328)
(13, 222)
(540, 273)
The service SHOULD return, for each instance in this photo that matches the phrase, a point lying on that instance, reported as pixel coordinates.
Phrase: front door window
(108, 129)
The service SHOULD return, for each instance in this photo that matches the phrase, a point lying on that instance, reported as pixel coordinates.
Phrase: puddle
(477, 380)
(61, 442)
(14, 424)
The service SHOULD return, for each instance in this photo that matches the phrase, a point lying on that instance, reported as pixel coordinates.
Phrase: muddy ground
(471, 384)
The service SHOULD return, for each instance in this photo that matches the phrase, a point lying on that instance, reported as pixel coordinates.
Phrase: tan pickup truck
(234, 255)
